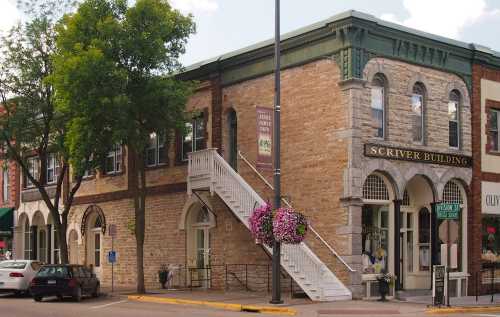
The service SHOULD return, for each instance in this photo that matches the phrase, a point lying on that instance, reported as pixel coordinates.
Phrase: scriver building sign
(395, 153)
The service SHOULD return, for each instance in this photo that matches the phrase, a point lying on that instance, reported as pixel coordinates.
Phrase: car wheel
(96, 291)
(17, 293)
(78, 294)
(37, 298)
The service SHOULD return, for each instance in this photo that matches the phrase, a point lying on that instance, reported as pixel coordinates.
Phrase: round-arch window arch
(418, 112)
(454, 118)
(452, 193)
(379, 105)
(375, 188)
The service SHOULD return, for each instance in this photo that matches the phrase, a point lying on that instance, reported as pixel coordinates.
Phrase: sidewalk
(259, 302)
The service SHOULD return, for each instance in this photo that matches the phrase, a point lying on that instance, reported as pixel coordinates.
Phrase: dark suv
(64, 280)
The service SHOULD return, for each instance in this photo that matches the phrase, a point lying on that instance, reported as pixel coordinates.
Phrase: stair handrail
(240, 154)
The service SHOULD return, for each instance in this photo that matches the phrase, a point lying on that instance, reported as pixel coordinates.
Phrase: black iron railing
(487, 280)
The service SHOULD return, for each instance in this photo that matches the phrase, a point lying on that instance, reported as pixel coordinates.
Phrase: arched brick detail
(389, 170)
(428, 173)
(374, 67)
(190, 204)
(419, 77)
(460, 86)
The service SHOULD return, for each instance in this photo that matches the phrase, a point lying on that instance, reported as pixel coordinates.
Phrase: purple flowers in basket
(284, 224)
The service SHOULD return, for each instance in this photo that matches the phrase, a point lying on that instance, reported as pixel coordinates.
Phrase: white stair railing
(207, 169)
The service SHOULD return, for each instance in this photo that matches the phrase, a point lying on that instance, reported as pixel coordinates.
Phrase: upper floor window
(156, 152)
(493, 124)
(453, 119)
(52, 169)
(113, 162)
(378, 105)
(417, 112)
(194, 137)
(5, 185)
(33, 165)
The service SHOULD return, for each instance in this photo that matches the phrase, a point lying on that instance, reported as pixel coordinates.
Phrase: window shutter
(488, 133)
(205, 125)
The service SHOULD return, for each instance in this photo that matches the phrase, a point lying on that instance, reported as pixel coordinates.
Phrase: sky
(227, 25)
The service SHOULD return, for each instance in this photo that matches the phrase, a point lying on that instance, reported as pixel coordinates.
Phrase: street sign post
(448, 211)
(112, 254)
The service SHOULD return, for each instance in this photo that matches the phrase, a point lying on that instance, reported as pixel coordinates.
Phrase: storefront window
(375, 236)
(491, 239)
(424, 239)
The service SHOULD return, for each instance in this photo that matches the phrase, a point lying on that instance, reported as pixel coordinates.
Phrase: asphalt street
(119, 306)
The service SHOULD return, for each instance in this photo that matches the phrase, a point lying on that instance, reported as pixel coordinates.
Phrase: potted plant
(385, 280)
(289, 226)
(163, 275)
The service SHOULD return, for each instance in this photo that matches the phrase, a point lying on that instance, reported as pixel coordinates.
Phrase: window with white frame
(156, 151)
(33, 164)
(113, 164)
(453, 119)
(374, 188)
(27, 241)
(424, 239)
(493, 124)
(417, 112)
(5, 185)
(378, 106)
(52, 168)
(194, 137)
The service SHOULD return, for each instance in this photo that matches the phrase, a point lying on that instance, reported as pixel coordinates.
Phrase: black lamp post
(276, 287)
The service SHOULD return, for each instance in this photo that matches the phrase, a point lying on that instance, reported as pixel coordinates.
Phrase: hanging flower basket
(261, 224)
(289, 226)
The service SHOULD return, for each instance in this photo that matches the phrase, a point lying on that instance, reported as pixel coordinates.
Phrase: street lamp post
(276, 287)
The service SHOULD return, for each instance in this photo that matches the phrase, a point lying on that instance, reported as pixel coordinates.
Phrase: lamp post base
(276, 302)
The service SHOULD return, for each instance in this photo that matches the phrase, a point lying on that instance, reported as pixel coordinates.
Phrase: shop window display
(375, 242)
(491, 239)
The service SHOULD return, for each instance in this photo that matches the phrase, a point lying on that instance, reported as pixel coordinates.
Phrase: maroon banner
(264, 138)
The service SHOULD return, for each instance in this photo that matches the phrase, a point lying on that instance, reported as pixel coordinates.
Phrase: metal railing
(487, 281)
(329, 247)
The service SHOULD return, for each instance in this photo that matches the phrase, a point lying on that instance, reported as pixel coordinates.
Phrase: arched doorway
(25, 252)
(74, 252)
(199, 222)
(233, 138)
(415, 233)
(93, 229)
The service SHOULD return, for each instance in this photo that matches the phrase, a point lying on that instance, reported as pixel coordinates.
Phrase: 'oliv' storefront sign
(490, 198)
(402, 154)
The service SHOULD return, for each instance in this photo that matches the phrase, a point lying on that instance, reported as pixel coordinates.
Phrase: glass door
(406, 247)
(203, 256)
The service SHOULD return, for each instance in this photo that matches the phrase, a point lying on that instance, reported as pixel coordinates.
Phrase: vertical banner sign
(438, 285)
(264, 138)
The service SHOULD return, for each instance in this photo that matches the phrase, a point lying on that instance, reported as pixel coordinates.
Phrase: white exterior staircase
(208, 170)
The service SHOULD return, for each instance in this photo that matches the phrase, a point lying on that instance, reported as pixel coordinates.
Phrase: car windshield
(53, 271)
(12, 265)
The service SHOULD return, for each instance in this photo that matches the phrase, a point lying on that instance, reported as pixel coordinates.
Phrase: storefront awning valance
(6, 221)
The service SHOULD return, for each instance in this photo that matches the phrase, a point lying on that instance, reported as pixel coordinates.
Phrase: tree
(30, 123)
(115, 72)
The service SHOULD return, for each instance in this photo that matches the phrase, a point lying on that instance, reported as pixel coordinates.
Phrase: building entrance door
(406, 247)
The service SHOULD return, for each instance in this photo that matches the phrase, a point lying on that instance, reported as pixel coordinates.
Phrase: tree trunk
(63, 244)
(140, 221)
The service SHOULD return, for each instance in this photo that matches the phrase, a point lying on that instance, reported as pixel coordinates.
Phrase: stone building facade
(376, 134)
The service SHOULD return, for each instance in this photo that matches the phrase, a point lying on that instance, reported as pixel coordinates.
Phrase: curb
(219, 305)
(457, 310)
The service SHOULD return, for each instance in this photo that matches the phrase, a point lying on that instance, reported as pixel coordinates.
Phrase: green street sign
(448, 211)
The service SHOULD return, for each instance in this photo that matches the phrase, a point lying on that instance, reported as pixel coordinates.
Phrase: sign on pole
(448, 211)
(112, 230)
(112, 256)
(264, 138)
(438, 285)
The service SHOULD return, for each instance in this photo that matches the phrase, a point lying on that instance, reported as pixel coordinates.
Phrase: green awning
(6, 221)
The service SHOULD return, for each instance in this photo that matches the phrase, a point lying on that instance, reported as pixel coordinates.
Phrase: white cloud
(9, 15)
(444, 17)
(206, 6)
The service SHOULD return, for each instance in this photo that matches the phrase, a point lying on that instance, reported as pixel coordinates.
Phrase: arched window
(378, 105)
(452, 193)
(27, 241)
(406, 199)
(424, 239)
(374, 188)
(417, 112)
(454, 119)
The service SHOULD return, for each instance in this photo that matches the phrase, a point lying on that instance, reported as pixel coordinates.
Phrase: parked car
(16, 275)
(64, 280)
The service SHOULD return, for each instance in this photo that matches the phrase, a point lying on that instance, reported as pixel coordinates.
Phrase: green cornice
(351, 39)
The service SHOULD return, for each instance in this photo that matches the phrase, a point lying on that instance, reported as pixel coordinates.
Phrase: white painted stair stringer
(208, 170)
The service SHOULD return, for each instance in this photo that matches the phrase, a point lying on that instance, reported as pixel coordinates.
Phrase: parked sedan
(64, 280)
(16, 275)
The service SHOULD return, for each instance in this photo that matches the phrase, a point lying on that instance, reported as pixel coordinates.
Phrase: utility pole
(276, 267)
